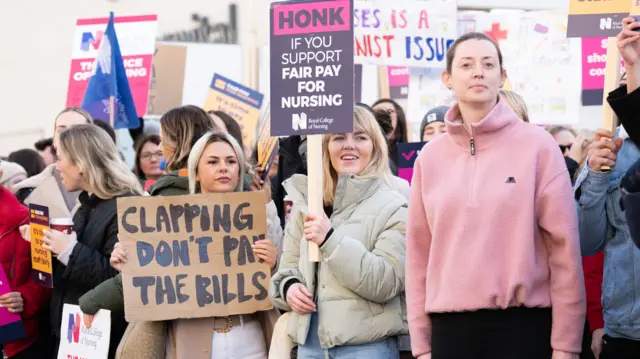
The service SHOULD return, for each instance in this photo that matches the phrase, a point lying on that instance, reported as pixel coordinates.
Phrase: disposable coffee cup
(64, 225)
(287, 209)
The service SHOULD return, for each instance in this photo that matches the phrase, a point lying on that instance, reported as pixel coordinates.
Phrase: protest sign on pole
(40, 256)
(137, 37)
(407, 155)
(412, 33)
(191, 256)
(11, 328)
(595, 19)
(237, 101)
(312, 78)
(79, 342)
(267, 144)
(167, 78)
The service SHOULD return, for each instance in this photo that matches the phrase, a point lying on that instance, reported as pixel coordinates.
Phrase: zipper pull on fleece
(472, 145)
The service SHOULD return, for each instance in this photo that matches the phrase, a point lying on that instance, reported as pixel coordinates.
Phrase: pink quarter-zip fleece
(492, 225)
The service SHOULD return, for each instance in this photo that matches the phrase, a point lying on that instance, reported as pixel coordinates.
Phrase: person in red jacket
(27, 297)
(593, 267)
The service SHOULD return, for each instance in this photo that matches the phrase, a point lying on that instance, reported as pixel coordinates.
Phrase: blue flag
(108, 87)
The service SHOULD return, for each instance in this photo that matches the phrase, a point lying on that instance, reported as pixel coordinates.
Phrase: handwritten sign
(311, 67)
(407, 155)
(79, 342)
(40, 256)
(137, 39)
(236, 100)
(412, 33)
(11, 328)
(191, 256)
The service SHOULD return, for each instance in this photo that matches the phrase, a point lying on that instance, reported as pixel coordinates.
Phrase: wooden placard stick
(383, 77)
(611, 81)
(315, 186)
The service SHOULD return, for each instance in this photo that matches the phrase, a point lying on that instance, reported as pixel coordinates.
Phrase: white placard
(412, 33)
(79, 342)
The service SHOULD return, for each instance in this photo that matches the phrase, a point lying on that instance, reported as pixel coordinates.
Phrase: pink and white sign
(137, 39)
(594, 59)
(594, 62)
(398, 82)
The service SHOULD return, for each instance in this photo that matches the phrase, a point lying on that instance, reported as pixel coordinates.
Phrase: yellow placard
(41, 260)
(578, 7)
(240, 102)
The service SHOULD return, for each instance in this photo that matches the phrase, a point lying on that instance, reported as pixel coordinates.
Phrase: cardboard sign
(79, 342)
(412, 33)
(137, 39)
(596, 18)
(167, 78)
(311, 67)
(11, 328)
(237, 101)
(40, 257)
(191, 256)
(267, 145)
(407, 155)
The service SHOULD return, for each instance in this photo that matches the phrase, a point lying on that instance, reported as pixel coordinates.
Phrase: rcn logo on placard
(88, 40)
(73, 329)
(299, 121)
(606, 23)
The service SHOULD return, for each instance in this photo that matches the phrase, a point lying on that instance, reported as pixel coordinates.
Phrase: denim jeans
(385, 349)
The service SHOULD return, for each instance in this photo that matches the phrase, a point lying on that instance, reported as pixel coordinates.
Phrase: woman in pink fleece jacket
(493, 265)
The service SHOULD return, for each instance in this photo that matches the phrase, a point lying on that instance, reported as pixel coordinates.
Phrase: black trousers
(522, 333)
(619, 348)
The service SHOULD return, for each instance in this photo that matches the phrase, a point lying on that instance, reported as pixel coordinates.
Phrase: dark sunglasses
(565, 148)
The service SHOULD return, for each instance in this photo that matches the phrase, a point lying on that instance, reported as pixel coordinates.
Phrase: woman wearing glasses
(148, 158)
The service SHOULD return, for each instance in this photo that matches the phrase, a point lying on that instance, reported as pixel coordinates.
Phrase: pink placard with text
(594, 59)
(315, 17)
(398, 76)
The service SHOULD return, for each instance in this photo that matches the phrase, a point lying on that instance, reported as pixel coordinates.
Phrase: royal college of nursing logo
(89, 40)
(73, 329)
(299, 121)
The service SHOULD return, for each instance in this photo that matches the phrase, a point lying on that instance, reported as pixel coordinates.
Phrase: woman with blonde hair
(217, 165)
(361, 238)
(517, 104)
(88, 161)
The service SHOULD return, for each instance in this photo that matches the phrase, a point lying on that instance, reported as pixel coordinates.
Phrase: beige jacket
(361, 277)
(46, 192)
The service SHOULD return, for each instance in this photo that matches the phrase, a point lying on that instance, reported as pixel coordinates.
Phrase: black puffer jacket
(96, 226)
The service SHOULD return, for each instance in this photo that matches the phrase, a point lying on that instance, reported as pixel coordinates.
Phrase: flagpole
(111, 111)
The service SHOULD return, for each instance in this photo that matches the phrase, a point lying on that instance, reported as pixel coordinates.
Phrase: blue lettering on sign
(427, 48)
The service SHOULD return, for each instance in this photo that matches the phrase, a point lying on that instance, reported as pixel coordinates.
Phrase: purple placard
(312, 90)
(407, 155)
(11, 328)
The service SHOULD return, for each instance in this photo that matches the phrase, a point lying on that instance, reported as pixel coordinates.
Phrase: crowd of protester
(512, 241)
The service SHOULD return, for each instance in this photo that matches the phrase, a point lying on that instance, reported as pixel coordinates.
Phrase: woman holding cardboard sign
(350, 305)
(216, 165)
(493, 254)
(88, 161)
